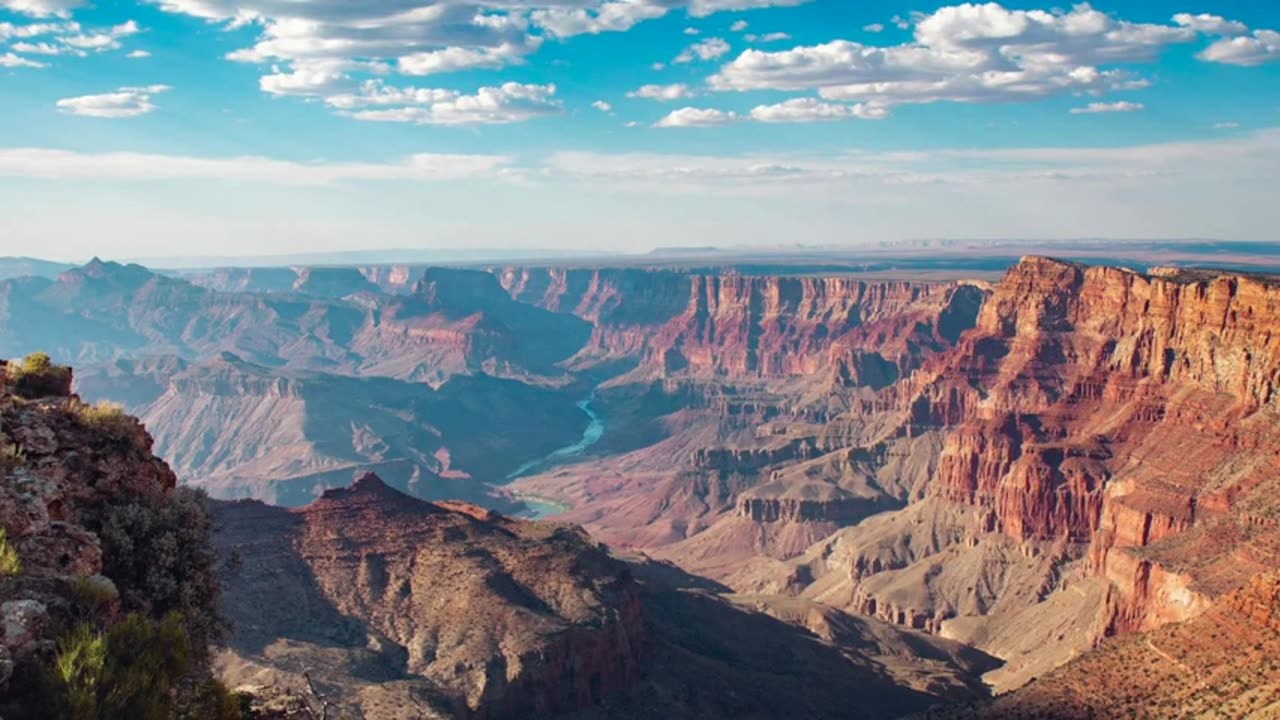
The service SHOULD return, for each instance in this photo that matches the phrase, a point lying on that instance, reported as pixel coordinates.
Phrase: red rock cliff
(1118, 409)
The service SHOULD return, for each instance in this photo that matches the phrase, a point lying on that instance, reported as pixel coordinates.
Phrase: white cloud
(971, 53)
(508, 103)
(9, 60)
(31, 30)
(738, 26)
(602, 106)
(1262, 47)
(1226, 126)
(709, 49)
(692, 31)
(455, 59)
(44, 48)
(769, 37)
(1210, 24)
(1122, 106)
(138, 54)
(874, 28)
(1245, 161)
(696, 117)
(104, 40)
(801, 110)
(664, 93)
(46, 164)
(126, 102)
(43, 8)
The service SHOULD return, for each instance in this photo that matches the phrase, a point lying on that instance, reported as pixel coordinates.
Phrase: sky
(144, 128)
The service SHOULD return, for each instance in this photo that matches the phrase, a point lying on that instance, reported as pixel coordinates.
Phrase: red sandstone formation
(1121, 424)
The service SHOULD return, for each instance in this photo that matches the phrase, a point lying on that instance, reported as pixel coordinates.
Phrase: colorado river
(539, 507)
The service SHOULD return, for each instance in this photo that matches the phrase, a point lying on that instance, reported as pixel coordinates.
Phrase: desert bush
(10, 563)
(160, 556)
(93, 594)
(12, 457)
(110, 420)
(211, 700)
(36, 376)
(130, 671)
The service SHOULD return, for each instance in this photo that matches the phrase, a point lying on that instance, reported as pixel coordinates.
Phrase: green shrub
(10, 563)
(160, 556)
(36, 376)
(77, 674)
(93, 594)
(110, 420)
(12, 457)
(211, 700)
(130, 671)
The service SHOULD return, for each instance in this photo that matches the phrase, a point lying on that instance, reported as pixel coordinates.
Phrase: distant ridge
(364, 257)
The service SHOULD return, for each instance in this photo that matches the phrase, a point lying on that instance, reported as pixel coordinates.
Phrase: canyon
(927, 489)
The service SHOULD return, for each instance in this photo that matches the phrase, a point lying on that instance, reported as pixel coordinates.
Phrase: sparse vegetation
(160, 557)
(12, 457)
(10, 563)
(36, 376)
(211, 700)
(112, 422)
(94, 595)
(129, 671)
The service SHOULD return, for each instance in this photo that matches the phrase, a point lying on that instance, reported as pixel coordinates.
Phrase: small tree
(37, 377)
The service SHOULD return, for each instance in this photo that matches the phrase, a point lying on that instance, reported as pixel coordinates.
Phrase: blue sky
(167, 127)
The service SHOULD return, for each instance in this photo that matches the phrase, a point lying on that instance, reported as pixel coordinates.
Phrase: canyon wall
(755, 326)
(1124, 424)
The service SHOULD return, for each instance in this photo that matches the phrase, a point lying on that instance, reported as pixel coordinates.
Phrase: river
(541, 507)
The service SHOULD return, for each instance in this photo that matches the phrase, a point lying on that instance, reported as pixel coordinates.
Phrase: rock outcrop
(458, 611)
(501, 617)
(1104, 424)
(1221, 664)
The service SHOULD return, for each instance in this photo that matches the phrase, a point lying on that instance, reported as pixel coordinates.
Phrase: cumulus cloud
(739, 26)
(45, 164)
(1122, 106)
(802, 110)
(874, 28)
(602, 106)
(984, 53)
(504, 104)
(138, 54)
(769, 37)
(104, 40)
(709, 49)
(664, 93)
(44, 48)
(343, 40)
(696, 117)
(1248, 51)
(43, 8)
(59, 38)
(1211, 24)
(9, 60)
(10, 31)
(126, 102)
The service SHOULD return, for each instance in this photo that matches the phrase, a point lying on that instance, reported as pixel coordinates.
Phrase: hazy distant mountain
(12, 267)
(365, 257)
